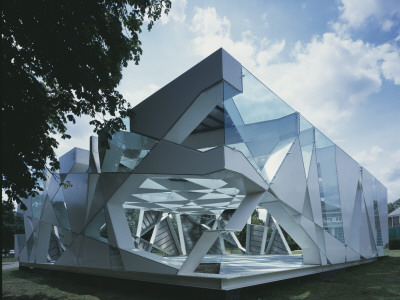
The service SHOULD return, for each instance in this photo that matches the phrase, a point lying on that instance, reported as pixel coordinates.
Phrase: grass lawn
(377, 280)
(8, 259)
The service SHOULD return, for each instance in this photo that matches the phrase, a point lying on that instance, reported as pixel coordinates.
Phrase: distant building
(394, 218)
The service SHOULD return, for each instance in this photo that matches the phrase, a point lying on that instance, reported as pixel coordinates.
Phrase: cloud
(177, 12)
(137, 96)
(385, 165)
(213, 32)
(367, 157)
(326, 79)
(358, 12)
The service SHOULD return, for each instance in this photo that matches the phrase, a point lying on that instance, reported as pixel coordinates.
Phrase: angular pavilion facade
(165, 200)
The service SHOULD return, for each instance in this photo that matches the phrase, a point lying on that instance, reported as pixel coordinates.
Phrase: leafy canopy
(392, 206)
(59, 60)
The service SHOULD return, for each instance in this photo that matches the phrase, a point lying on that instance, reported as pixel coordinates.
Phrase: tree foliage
(59, 60)
(392, 206)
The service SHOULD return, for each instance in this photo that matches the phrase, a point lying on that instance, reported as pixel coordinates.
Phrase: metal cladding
(200, 156)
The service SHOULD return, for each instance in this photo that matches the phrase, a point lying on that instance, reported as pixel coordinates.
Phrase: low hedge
(394, 244)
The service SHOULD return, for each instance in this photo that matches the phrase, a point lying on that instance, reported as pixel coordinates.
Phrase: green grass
(377, 280)
(8, 259)
(297, 252)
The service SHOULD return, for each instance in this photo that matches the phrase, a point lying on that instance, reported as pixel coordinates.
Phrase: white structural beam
(236, 223)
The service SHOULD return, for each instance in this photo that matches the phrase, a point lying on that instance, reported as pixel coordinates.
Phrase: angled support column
(236, 223)
(140, 223)
(180, 232)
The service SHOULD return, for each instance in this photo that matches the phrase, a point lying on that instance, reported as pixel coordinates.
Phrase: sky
(335, 62)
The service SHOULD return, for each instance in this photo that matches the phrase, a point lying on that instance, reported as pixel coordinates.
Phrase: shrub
(394, 244)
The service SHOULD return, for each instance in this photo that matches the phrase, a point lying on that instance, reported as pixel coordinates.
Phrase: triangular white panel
(140, 261)
(48, 215)
(75, 249)
(351, 255)
(307, 210)
(335, 250)
(313, 190)
(66, 259)
(289, 183)
(309, 227)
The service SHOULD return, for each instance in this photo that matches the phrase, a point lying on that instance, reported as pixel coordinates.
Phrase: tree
(392, 206)
(7, 226)
(59, 60)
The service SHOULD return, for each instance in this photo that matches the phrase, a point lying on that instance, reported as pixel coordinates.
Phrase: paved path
(9, 265)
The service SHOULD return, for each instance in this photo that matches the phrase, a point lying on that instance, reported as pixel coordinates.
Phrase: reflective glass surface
(60, 210)
(307, 140)
(329, 187)
(127, 149)
(97, 228)
(260, 125)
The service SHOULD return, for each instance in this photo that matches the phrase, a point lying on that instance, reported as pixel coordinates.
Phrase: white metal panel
(335, 250)
(42, 242)
(351, 255)
(66, 259)
(49, 216)
(289, 183)
(195, 114)
(367, 184)
(94, 254)
(138, 261)
(76, 200)
(199, 251)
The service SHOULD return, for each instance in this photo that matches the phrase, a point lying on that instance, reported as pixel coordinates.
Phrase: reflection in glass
(60, 210)
(329, 189)
(127, 149)
(97, 228)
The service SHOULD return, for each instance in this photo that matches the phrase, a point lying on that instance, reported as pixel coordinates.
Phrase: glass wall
(260, 125)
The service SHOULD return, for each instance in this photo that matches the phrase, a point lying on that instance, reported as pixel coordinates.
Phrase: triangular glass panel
(97, 227)
(127, 149)
(258, 103)
(60, 209)
(321, 141)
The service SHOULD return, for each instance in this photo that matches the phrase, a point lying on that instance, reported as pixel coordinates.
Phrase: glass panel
(257, 103)
(379, 241)
(264, 144)
(60, 210)
(127, 149)
(329, 191)
(321, 141)
(307, 140)
(37, 202)
(97, 227)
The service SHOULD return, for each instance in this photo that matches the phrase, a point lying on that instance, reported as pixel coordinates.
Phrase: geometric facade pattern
(200, 156)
